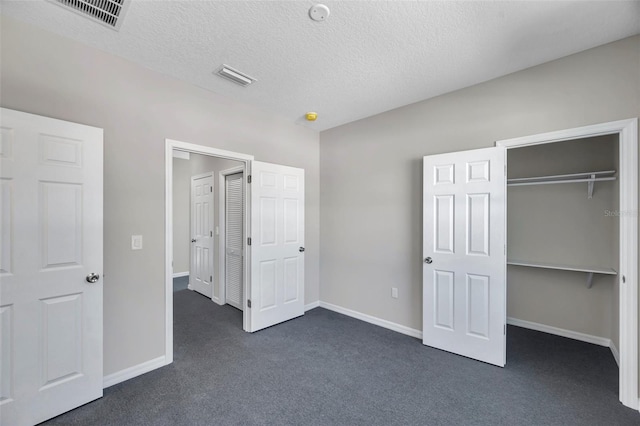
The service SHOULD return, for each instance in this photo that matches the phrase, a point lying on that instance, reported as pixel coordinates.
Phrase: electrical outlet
(394, 292)
(136, 242)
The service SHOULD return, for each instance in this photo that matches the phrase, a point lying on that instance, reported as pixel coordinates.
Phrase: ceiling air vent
(106, 12)
(235, 76)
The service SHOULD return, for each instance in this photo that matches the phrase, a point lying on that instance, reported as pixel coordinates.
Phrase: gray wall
(560, 224)
(371, 170)
(49, 75)
(181, 219)
(182, 172)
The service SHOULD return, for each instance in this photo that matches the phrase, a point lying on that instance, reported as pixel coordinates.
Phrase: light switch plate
(136, 242)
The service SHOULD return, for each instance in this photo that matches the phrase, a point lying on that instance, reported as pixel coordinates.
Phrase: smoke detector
(106, 12)
(234, 75)
(319, 12)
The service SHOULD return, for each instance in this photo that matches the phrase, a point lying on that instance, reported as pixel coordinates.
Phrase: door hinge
(211, 233)
(248, 303)
(211, 189)
(249, 241)
(249, 179)
(210, 278)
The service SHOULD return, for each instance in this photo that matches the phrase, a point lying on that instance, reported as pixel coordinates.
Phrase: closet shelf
(589, 177)
(589, 270)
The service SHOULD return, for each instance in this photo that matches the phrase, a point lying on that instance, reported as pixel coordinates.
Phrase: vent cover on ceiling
(234, 75)
(106, 12)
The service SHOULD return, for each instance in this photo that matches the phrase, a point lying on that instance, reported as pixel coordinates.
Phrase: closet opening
(572, 239)
(563, 230)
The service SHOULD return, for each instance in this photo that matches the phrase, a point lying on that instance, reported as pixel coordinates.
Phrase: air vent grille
(107, 12)
(234, 75)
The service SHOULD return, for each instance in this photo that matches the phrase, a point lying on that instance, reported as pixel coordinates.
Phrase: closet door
(464, 247)
(234, 222)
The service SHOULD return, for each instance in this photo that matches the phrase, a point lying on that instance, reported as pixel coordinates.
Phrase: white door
(51, 244)
(201, 268)
(464, 247)
(234, 239)
(277, 247)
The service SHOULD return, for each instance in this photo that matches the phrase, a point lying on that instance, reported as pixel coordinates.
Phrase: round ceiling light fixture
(311, 116)
(319, 12)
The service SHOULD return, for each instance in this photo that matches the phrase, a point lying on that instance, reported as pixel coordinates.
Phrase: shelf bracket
(590, 186)
(589, 279)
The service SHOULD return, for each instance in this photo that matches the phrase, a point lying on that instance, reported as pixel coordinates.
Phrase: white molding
(596, 340)
(312, 305)
(170, 145)
(569, 134)
(373, 320)
(180, 274)
(206, 150)
(627, 131)
(615, 353)
(131, 372)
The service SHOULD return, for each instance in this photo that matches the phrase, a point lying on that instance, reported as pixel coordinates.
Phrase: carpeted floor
(329, 369)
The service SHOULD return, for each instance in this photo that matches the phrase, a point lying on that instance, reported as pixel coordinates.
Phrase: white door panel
(277, 250)
(234, 239)
(51, 240)
(464, 286)
(201, 270)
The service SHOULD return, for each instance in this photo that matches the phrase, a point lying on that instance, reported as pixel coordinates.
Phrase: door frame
(191, 247)
(170, 145)
(222, 219)
(627, 131)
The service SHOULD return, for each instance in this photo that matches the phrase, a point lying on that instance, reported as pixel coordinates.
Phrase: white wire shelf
(545, 265)
(588, 177)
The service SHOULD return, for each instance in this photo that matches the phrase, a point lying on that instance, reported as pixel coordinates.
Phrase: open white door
(201, 264)
(464, 247)
(50, 267)
(277, 246)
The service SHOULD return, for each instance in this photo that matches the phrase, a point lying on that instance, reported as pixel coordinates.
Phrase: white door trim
(627, 131)
(222, 204)
(170, 145)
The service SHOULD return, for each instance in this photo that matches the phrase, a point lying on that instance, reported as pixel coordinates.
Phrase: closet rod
(549, 182)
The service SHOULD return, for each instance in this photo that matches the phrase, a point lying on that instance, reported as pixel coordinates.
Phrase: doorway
(625, 134)
(272, 280)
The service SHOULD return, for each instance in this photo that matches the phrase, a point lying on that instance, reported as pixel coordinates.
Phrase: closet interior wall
(182, 172)
(558, 223)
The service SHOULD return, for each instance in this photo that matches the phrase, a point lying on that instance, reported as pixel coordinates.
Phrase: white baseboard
(614, 351)
(596, 340)
(131, 372)
(180, 274)
(311, 305)
(373, 320)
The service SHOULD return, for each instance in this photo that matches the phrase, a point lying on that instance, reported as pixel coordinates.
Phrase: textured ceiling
(366, 58)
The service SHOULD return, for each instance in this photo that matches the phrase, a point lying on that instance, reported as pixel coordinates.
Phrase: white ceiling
(366, 58)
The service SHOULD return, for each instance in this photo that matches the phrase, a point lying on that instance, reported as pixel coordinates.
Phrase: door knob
(193, 240)
(92, 278)
(301, 249)
(428, 261)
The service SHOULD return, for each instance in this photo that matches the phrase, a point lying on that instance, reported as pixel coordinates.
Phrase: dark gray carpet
(180, 283)
(329, 369)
